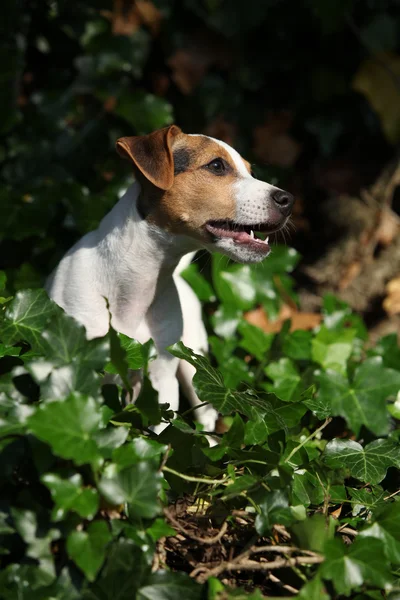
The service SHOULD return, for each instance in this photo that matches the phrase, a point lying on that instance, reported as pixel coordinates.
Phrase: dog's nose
(284, 201)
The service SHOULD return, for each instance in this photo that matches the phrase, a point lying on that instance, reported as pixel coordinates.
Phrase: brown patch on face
(198, 194)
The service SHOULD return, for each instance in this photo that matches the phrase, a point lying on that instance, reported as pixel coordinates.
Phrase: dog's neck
(143, 257)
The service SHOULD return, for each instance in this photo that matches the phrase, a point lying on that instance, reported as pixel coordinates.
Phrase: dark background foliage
(277, 79)
(301, 494)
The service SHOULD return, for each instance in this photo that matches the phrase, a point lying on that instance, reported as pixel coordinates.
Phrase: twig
(196, 479)
(203, 540)
(348, 530)
(285, 586)
(240, 564)
(165, 458)
(193, 408)
(310, 437)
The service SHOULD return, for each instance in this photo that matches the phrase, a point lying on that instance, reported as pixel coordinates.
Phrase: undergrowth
(298, 497)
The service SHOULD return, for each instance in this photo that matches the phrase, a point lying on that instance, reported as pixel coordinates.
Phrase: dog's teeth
(267, 239)
(251, 233)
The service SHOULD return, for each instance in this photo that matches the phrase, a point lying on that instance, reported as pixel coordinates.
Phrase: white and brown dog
(191, 192)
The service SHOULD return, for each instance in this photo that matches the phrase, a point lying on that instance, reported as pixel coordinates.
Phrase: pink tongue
(241, 236)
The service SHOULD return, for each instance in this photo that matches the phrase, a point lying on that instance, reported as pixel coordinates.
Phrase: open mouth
(255, 236)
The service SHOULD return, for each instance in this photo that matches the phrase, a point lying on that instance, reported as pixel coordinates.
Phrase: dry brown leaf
(299, 320)
(388, 227)
(351, 272)
(190, 63)
(391, 304)
(378, 80)
(129, 15)
(222, 130)
(336, 513)
(149, 14)
(272, 142)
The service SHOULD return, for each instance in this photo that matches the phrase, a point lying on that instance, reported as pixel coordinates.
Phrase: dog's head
(197, 186)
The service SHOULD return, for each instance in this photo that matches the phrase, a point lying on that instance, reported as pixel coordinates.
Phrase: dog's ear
(152, 155)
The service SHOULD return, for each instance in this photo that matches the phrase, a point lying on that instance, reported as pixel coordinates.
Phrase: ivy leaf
(274, 508)
(331, 349)
(67, 343)
(38, 539)
(297, 345)
(386, 527)
(88, 548)
(198, 283)
(313, 533)
(137, 450)
(209, 386)
(364, 562)
(254, 340)
(26, 317)
(363, 402)
(68, 427)
(136, 354)
(137, 485)
(286, 380)
(367, 464)
(166, 585)
(69, 494)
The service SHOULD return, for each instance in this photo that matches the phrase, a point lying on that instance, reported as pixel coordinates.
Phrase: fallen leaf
(388, 227)
(272, 142)
(391, 304)
(350, 274)
(378, 80)
(222, 130)
(190, 63)
(299, 320)
(128, 15)
(336, 513)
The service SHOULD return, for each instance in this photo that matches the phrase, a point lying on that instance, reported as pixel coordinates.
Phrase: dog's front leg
(164, 319)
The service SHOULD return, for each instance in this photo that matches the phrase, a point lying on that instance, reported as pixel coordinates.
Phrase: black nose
(284, 201)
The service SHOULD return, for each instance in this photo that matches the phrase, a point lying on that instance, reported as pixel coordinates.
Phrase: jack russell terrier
(191, 192)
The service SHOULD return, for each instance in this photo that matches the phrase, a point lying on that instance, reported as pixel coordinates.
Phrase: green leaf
(38, 538)
(68, 427)
(109, 439)
(69, 494)
(254, 340)
(286, 380)
(313, 590)
(314, 532)
(209, 386)
(367, 464)
(363, 402)
(137, 485)
(136, 354)
(160, 529)
(198, 283)
(364, 562)
(274, 508)
(26, 317)
(138, 449)
(146, 112)
(297, 345)
(166, 585)
(118, 356)
(88, 548)
(386, 527)
(332, 349)
(122, 574)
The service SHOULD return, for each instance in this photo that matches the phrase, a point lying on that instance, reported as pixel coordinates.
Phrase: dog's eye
(217, 166)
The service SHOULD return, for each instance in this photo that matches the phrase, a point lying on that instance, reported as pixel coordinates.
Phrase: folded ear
(152, 155)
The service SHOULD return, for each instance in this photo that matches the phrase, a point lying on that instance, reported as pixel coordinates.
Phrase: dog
(190, 192)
